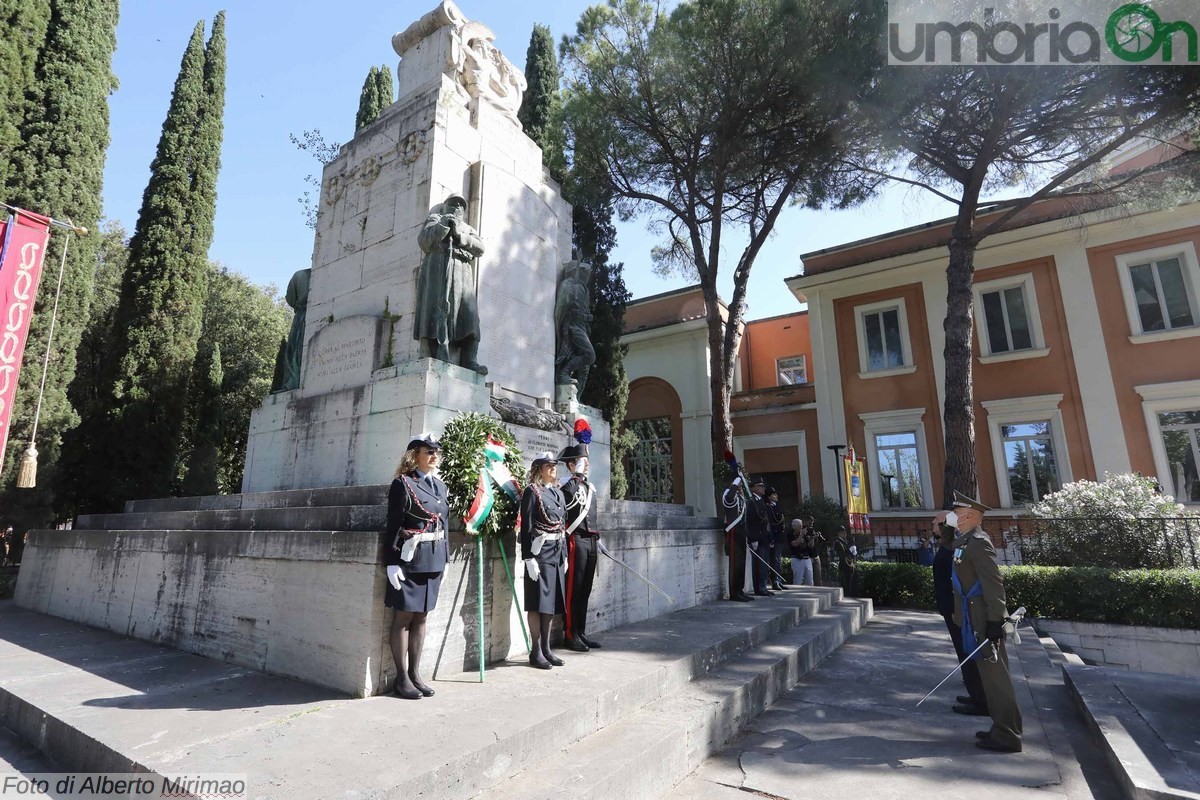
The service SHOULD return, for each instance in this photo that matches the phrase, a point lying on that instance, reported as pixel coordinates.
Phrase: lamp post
(837, 464)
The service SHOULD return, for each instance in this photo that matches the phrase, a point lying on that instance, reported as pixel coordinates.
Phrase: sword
(636, 574)
(1015, 618)
(754, 553)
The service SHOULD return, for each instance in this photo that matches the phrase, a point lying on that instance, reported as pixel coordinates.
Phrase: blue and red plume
(732, 462)
(583, 431)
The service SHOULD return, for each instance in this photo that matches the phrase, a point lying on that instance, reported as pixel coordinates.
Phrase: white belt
(409, 548)
(536, 546)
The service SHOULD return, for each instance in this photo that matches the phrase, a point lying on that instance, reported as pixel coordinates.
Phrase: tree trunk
(959, 413)
(719, 386)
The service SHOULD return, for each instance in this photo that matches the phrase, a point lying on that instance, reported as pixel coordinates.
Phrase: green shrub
(8, 586)
(1160, 598)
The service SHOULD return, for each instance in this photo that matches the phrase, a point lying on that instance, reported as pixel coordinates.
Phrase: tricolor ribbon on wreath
(493, 471)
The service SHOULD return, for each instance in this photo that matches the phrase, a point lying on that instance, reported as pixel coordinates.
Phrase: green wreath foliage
(462, 457)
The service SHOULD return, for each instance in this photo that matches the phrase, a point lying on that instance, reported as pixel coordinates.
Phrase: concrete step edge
(743, 687)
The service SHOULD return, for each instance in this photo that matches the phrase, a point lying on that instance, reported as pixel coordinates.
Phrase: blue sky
(299, 65)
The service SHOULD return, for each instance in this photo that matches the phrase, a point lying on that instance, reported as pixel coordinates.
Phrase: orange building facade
(1086, 361)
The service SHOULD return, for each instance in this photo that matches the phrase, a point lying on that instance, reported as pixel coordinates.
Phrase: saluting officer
(543, 528)
(758, 534)
(583, 542)
(980, 610)
(415, 552)
(735, 539)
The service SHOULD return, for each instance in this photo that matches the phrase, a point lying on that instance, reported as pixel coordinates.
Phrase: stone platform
(628, 721)
(1147, 725)
(243, 578)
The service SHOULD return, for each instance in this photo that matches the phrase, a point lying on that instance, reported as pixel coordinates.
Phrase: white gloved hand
(853, 549)
(532, 569)
(395, 575)
(600, 547)
(737, 481)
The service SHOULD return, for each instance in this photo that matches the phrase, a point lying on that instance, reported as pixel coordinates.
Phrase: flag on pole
(857, 505)
(23, 237)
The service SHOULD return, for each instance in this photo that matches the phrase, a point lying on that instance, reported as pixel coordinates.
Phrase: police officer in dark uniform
(735, 539)
(980, 610)
(758, 535)
(543, 549)
(777, 539)
(415, 552)
(583, 542)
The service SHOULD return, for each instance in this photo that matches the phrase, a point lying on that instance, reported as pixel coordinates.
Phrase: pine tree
(368, 101)
(162, 297)
(58, 170)
(385, 90)
(201, 477)
(22, 33)
(541, 111)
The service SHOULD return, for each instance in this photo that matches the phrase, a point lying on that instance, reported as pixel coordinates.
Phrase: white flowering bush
(1122, 521)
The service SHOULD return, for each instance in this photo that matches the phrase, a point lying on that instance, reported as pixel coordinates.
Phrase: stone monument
(370, 373)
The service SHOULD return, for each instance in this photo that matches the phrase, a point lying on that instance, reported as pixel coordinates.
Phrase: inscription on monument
(342, 354)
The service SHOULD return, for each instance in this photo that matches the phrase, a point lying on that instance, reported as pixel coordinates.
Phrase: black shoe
(592, 643)
(997, 747)
(538, 663)
(741, 598)
(553, 659)
(406, 693)
(421, 687)
(966, 700)
(983, 734)
(970, 711)
(577, 645)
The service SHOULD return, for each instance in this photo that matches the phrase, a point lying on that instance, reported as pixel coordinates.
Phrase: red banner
(23, 238)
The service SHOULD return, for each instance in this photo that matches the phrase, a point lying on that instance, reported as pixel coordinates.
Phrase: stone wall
(1174, 651)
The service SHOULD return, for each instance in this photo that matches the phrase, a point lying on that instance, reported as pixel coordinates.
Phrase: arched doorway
(655, 465)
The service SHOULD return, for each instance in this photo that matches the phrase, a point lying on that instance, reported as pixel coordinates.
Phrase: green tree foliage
(22, 33)
(377, 92)
(58, 170)
(313, 142)
(163, 294)
(200, 474)
(541, 111)
(717, 117)
(385, 91)
(965, 131)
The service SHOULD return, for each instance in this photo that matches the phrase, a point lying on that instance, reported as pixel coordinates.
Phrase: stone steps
(329, 518)
(643, 756)
(675, 686)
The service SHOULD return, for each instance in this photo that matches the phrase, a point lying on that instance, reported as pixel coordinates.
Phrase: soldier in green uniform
(979, 608)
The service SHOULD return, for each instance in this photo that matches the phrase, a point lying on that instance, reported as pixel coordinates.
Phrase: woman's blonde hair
(409, 463)
(535, 474)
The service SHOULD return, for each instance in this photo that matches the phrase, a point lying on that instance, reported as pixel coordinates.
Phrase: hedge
(1166, 598)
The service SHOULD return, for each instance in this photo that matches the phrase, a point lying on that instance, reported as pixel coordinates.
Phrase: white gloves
(532, 569)
(395, 575)
(601, 548)
(737, 481)
(853, 549)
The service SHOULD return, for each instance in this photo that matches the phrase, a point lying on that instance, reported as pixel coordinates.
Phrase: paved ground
(850, 729)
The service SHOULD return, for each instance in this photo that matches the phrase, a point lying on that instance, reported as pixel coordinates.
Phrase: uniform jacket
(573, 493)
(734, 502)
(775, 522)
(975, 559)
(543, 510)
(756, 519)
(416, 507)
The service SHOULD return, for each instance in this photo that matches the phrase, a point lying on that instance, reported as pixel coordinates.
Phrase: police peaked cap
(757, 482)
(543, 458)
(962, 501)
(424, 440)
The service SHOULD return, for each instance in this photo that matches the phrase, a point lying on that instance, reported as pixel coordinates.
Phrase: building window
(1029, 458)
(792, 371)
(1028, 447)
(883, 344)
(1160, 289)
(897, 459)
(1181, 440)
(1009, 324)
(899, 469)
(650, 463)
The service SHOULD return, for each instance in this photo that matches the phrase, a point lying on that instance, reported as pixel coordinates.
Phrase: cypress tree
(201, 477)
(368, 101)
(58, 169)
(594, 236)
(22, 33)
(385, 90)
(165, 285)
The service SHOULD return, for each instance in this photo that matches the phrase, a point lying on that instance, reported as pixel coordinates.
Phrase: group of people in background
(559, 543)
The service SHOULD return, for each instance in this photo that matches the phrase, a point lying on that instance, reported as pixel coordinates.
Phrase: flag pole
(71, 226)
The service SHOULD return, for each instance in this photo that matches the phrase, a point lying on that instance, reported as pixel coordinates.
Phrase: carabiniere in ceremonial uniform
(583, 542)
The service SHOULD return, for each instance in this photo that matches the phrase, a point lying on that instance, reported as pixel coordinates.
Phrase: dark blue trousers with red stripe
(582, 557)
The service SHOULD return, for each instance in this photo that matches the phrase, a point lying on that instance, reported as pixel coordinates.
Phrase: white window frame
(1014, 410)
(906, 420)
(765, 441)
(1186, 253)
(803, 365)
(1157, 397)
(905, 345)
(1025, 282)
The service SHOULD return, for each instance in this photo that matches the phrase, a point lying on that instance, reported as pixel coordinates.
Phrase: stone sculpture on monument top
(406, 305)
